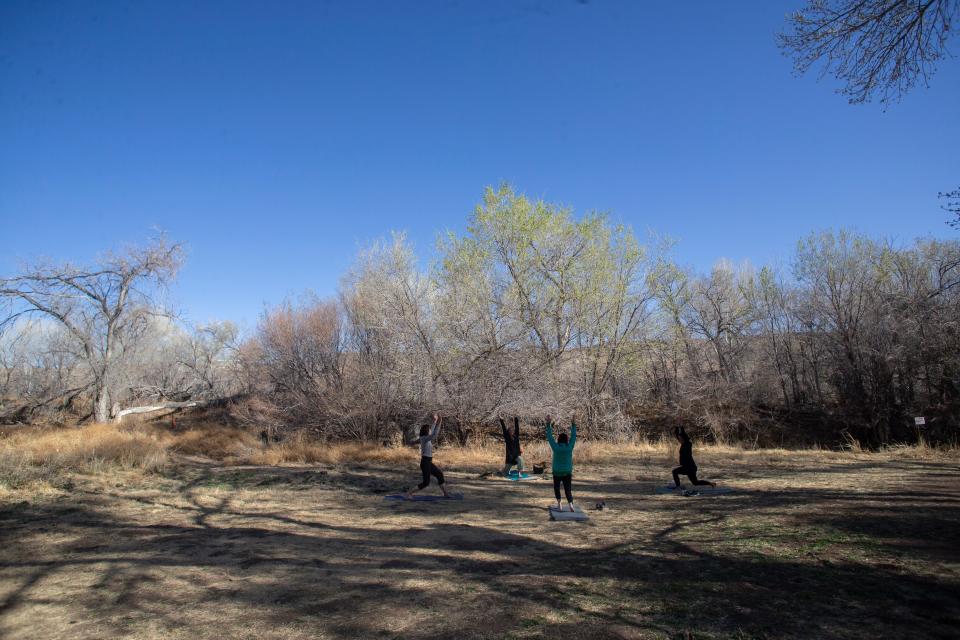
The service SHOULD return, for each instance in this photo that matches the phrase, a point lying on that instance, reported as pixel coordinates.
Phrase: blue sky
(275, 138)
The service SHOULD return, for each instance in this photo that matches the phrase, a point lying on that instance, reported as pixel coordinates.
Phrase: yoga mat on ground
(703, 491)
(576, 515)
(420, 498)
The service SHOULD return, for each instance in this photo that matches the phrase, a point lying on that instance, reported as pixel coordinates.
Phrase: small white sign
(920, 421)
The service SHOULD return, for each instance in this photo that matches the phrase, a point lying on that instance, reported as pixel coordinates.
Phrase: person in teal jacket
(562, 461)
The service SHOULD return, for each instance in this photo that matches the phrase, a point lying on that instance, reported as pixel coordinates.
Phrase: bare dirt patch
(809, 545)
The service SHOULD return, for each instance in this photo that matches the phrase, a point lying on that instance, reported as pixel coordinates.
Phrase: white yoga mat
(577, 514)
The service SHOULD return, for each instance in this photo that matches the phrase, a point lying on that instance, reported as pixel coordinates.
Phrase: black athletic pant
(690, 472)
(427, 468)
(566, 480)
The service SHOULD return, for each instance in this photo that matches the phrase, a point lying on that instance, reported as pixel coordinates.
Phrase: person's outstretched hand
(436, 417)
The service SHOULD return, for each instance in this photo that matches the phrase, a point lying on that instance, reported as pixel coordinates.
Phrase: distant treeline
(532, 312)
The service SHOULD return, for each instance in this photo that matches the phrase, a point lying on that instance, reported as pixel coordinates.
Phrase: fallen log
(160, 407)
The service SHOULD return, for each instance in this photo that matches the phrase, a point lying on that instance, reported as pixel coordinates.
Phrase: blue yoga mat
(419, 498)
(524, 476)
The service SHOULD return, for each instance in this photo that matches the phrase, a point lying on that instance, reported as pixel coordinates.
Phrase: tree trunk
(101, 405)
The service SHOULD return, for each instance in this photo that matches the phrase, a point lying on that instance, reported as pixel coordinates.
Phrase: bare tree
(172, 362)
(876, 47)
(301, 357)
(387, 302)
(42, 371)
(718, 312)
(952, 206)
(13, 340)
(103, 308)
(207, 354)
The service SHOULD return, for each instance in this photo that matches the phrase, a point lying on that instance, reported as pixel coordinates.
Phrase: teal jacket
(562, 453)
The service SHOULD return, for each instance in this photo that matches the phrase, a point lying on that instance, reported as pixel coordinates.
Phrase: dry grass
(219, 443)
(45, 458)
(299, 450)
(811, 544)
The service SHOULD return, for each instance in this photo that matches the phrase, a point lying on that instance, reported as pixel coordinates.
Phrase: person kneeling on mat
(562, 461)
(427, 468)
(687, 466)
(511, 443)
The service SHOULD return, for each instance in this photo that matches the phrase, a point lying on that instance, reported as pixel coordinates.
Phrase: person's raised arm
(573, 431)
(550, 440)
(436, 426)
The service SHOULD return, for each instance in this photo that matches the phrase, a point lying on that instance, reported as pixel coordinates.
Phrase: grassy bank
(34, 459)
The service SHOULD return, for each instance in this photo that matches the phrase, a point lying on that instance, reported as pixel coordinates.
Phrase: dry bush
(217, 442)
(19, 471)
(922, 450)
(255, 412)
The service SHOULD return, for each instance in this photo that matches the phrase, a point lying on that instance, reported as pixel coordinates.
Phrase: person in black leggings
(562, 461)
(687, 465)
(427, 468)
(566, 481)
(511, 443)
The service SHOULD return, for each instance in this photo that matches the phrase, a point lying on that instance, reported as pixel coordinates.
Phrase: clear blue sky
(274, 138)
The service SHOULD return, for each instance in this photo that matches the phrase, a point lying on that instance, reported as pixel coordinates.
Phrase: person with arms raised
(511, 443)
(687, 465)
(562, 467)
(427, 468)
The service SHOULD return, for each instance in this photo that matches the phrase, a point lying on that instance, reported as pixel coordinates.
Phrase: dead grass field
(167, 544)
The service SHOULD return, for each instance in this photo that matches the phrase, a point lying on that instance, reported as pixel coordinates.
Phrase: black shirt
(511, 441)
(686, 454)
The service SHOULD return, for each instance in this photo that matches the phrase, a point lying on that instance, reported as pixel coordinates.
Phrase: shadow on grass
(346, 581)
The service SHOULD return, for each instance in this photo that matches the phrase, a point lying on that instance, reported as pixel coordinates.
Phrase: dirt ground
(809, 545)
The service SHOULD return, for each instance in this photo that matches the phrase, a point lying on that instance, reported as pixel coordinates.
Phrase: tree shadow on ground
(453, 579)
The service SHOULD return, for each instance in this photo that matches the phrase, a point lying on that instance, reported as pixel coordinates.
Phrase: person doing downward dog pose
(687, 466)
(427, 468)
(511, 443)
(562, 461)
